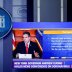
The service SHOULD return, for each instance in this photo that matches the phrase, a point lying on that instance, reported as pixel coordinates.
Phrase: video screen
(35, 34)
(27, 44)
(42, 48)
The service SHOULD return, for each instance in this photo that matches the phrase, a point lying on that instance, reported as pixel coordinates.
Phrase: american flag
(13, 41)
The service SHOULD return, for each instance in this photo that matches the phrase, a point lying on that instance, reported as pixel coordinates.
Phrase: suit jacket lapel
(24, 48)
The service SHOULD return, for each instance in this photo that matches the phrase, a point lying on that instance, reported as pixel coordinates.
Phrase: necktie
(26, 48)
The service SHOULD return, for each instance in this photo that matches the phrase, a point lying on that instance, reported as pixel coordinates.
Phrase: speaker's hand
(17, 55)
(36, 54)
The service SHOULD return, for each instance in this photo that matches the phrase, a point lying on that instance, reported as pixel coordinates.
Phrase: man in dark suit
(27, 47)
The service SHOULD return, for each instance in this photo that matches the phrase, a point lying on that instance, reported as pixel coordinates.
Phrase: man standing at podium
(27, 47)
